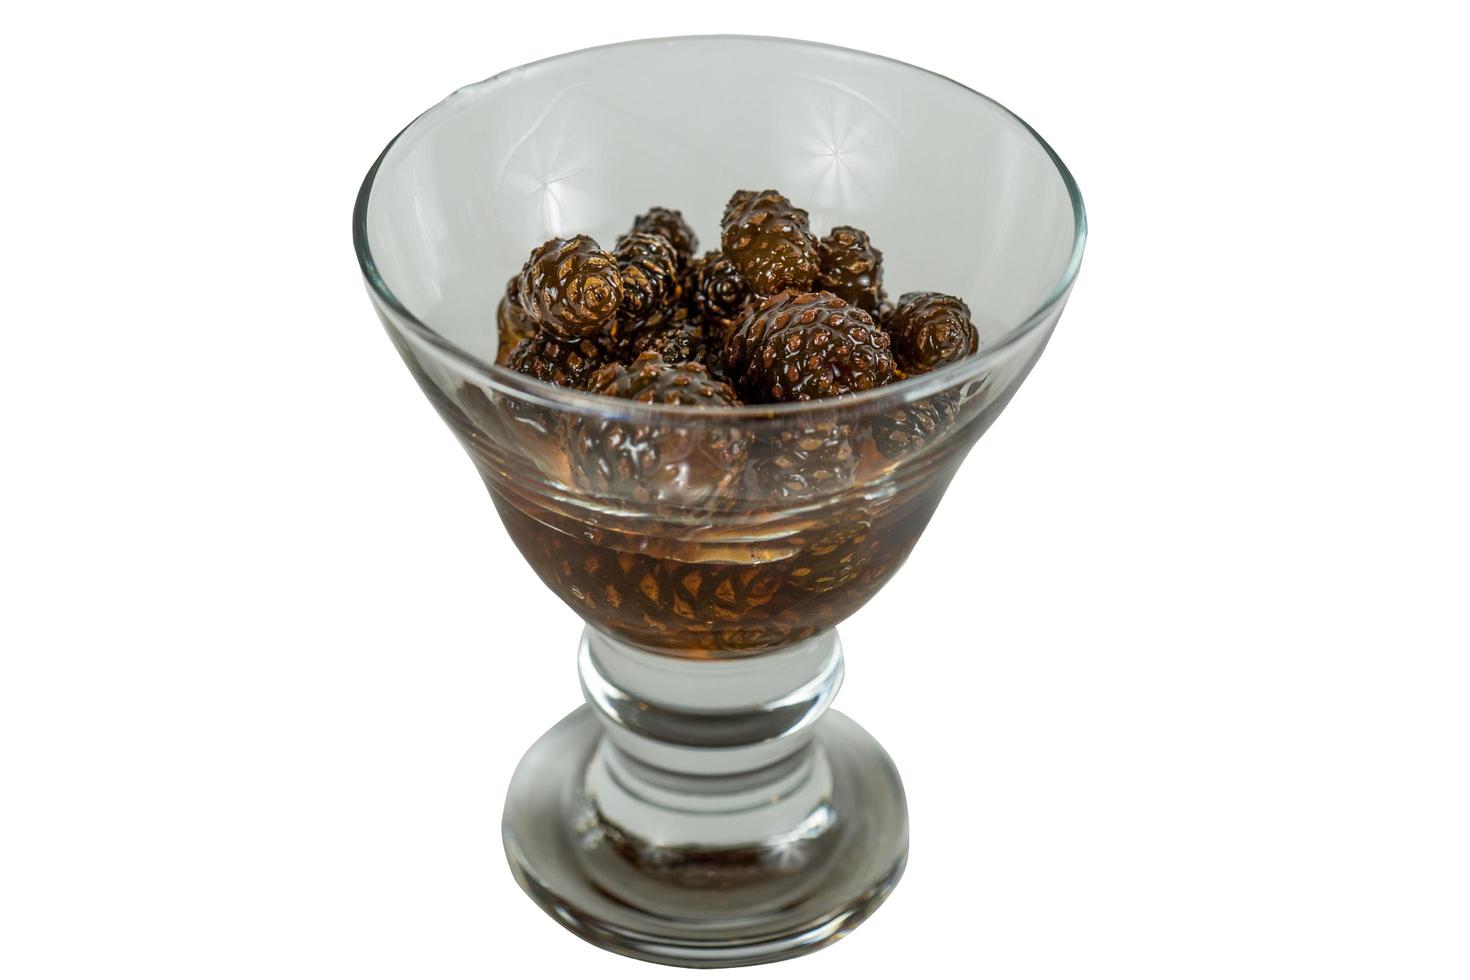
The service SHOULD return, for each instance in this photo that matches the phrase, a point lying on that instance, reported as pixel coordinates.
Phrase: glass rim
(898, 392)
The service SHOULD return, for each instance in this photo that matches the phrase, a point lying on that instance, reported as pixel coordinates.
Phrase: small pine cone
(930, 330)
(716, 293)
(800, 464)
(678, 340)
(852, 268)
(649, 268)
(511, 321)
(909, 428)
(681, 461)
(672, 226)
(834, 557)
(569, 364)
(650, 379)
(570, 287)
(683, 344)
(802, 346)
(770, 242)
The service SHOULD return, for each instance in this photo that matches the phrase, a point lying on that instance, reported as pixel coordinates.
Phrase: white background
(1189, 701)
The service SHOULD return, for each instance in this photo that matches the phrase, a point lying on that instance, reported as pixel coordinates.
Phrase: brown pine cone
(570, 287)
(800, 464)
(909, 428)
(569, 364)
(833, 557)
(649, 268)
(728, 597)
(650, 379)
(672, 226)
(680, 461)
(716, 294)
(930, 330)
(660, 602)
(770, 242)
(724, 606)
(852, 268)
(511, 321)
(801, 346)
(676, 339)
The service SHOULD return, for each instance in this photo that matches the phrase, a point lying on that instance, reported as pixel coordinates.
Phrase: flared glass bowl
(688, 532)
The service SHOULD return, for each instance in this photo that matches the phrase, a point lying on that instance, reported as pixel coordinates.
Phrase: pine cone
(650, 379)
(909, 428)
(570, 287)
(716, 293)
(649, 268)
(800, 464)
(723, 602)
(930, 330)
(511, 321)
(802, 346)
(703, 605)
(681, 461)
(569, 364)
(770, 242)
(852, 268)
(833, 558)
(677, 339)
(672, 226)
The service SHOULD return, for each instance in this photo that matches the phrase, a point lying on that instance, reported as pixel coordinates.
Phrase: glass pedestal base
(714, 862)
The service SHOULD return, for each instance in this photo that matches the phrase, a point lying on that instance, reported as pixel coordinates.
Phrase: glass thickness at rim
(901, 392)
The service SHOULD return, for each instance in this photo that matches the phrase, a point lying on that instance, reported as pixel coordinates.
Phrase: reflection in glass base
(830, 843)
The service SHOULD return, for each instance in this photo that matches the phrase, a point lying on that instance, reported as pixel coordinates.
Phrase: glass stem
(710, 754)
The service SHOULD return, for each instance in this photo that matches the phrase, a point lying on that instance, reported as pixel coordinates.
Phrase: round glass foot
(795, 868)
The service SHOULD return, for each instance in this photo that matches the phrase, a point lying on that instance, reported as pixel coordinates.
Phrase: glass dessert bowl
(703, 807)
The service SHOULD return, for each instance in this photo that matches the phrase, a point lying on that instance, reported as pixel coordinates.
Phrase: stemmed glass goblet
(703, 807)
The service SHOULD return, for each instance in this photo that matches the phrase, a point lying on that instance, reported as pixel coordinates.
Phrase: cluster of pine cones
(776, 314)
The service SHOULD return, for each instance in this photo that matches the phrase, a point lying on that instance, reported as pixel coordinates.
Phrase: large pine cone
(680, 461)
(930, 330)
(649, 268)
(718, 607)
(511, 321)
(672, 226)
(569, 364)
(770, 242)
(852, 268)
(570, 287)
(802, 346)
